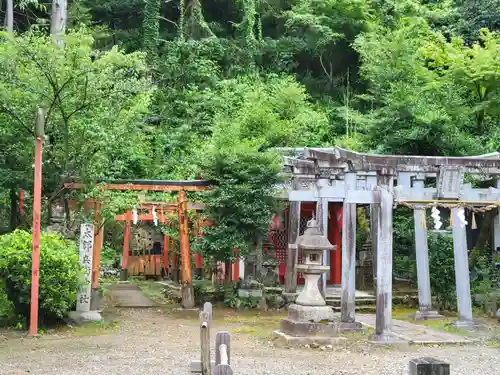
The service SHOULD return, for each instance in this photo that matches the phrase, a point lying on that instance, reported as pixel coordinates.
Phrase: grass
(95, 328)
(255, 325)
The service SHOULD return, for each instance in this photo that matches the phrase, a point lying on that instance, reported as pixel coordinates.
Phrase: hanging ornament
(134, 216)
(461, 217)
(473, 224)
(437, 218)
(451, 220)
(155, 216)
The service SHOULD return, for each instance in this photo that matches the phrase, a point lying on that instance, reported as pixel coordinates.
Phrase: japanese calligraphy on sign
(86, 248)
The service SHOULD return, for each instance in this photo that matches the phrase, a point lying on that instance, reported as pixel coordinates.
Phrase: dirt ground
(152, 341)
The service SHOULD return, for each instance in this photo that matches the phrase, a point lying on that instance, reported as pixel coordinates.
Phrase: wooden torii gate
(339, 175)
(181, 207)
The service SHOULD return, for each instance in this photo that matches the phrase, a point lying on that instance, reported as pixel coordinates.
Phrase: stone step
(365, 309)
(359, 301)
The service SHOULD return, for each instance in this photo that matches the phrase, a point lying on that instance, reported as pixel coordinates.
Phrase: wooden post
(337, 241)
(223, 338)
(496, 226)
(205, 322)
(236, 265)
(126, 247)
(429, 366)
(98, 242)
(166, 244)
(348, 297)
(37, 202)
(223, 354)
(292, 253)
(383, 329)
(187, 286)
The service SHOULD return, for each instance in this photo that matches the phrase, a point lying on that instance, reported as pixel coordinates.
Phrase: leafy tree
(257, 116)
(96, 104)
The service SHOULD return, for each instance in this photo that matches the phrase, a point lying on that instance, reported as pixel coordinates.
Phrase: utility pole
(37, 202)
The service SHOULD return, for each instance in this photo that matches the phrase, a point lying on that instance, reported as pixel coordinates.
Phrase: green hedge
(60, 274)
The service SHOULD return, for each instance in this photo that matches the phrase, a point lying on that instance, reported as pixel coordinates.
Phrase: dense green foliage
(60, 273)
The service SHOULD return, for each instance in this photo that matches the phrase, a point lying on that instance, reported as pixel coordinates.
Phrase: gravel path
(148, 342)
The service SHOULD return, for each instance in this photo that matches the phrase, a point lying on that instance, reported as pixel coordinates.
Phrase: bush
(60, 274)
(442, 270)
(7, 312)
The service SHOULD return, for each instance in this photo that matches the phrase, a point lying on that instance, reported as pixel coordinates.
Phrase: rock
(329, 347)
(79, 317)
(322, 348)
(314, 345)
(307, 346)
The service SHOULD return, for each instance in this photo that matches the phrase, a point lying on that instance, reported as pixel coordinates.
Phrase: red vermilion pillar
(236, 266)
(166, 244)
(126, 247)
(337, 240)
(187, 281)
(96, 250)
(37, 202)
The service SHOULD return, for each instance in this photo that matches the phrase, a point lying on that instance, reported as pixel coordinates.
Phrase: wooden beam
(142, 187)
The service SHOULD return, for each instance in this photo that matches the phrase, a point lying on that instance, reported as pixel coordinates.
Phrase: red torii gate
(181, 207)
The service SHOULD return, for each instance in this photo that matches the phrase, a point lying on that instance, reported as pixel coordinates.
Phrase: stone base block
(290, 297)
(466, 325)
(283, 339)
(314, 314)
(305, 329)
(427, 315)
(350, 327)
(388, 339)
(80, 317)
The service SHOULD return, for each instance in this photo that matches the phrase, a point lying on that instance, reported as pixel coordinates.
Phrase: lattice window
(302, 228)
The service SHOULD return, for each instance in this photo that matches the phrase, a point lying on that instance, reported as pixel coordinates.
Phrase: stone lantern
(310, 320)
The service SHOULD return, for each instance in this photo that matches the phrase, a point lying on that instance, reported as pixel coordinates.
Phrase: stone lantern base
(308, 325)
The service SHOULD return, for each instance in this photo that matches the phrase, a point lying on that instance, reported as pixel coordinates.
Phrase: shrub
(60, 273)
(442, 270)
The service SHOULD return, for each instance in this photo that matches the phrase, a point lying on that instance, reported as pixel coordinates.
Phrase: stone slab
(416, 333)
(301, 313)
(127, 295)
(282, 339)
(350, 327)
(305, 329)
(428, 315)
(82, 317)
(389, 339)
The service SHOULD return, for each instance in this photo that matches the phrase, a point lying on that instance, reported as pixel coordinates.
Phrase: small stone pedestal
(309, 320)
(427, 315)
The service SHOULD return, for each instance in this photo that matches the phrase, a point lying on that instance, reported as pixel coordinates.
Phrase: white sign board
(86, 249)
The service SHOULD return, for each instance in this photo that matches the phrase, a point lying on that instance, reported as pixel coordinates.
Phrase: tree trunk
(13, 210)
(259, 260)
(9, 16)
(484, 235)
(58, 20)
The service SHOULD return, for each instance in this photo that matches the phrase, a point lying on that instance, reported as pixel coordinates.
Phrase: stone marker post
(86, 246)
(429, 366)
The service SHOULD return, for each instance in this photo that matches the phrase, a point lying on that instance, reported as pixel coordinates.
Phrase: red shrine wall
(277, 239)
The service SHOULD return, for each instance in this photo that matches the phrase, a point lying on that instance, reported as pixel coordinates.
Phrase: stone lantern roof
(313, 239)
